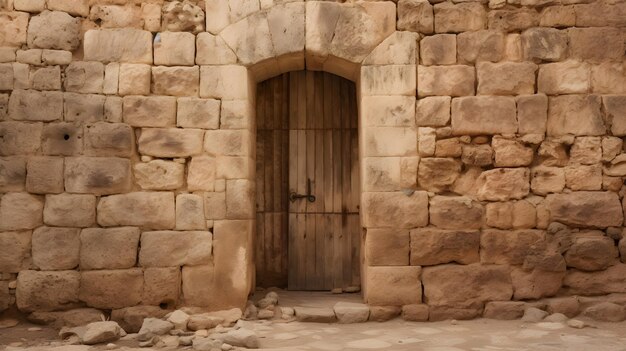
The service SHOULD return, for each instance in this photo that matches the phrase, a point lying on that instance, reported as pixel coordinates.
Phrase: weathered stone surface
(393, 285)
(47, 291)
(349, 312)
(390, 141)
(13, 28)
(190, 212)
(388, 80)
(112, 248)
(426, 138)
(441, 313)
(389, 173)
(456, 212)
(20, 138)
(239, 204)
(250, 39)
(62, 138)
(286, 27)
(159, 175)
(112, 16)
(415, 16)
(54, 30)
(575, 114)
(504, 310)
(72, 318)
(591, 251)
(13, 175)
(70, 210)
(170, 248)
(20, 211)
(150, 111)
(586, 209)
(544, 44)
(431, 246)
(503, 184)
(161, 286)
(583, 177)
(568, 306)
(552, 152)
(507, 215)
(201, 173)
(118, 45)
(101, 332)
(596, 44)
(448, 148)
(483, 115)
(462, 17)
(466, 286)
(456, 80)
(228, 82)
(212, 50)
(439, 49)
(415, 312)
(433, 111)
(477, 155)
(511, 153)
(170, 142)
(110, 139)
(31, 105)
(608, 281)
(16, 253)
(438, 174)
(387, 247)
(215, 205)
(83, 107)
(507, 78)
(134, 79)
(532, 113)
(383, 313)
(395, 209)
(84, 77)
(152, 327)
(97, 175)
(180, 16)
(43, 175)
(615, 109)
(606, 312)
(198, 113)
(143, 209)
(109, 289)
(567, 77)
(176, 81)
(482, 45)
(512, 20)
(558, 16)
(509, 247)
(131, 318)
(175, 49)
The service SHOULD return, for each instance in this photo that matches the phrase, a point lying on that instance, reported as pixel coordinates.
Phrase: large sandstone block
(109, 289)
(608, 78)
(586, 209)
(20, 211)
(438, 174)
(70, 210)
(466, 286)
(395, 209)
(118, 45)
(228, 82)
(509, 247)
(558, 16)
(462, 17)
(62, 138)
(596, 44)
(198, 113)
(591, 251)
(175, 81)
(170, 248)
(511, 153)
(584, 177)
(430, 246)
(567, 77)
(170, 142)
(535, 284)
(455, 80)
(47, 291)
(439, 49)
(239, 195)
(388, 111)
(393, 286)
(387, 247)
(201, 173)
(175, 49)
(286, 26)
(389, 173)
(134, 79)
(15, 254)
(113, 248)
(250, 39)
(74, 8)
(13, 174)
(54, 30)
(390, 141)
(154, 210)
(215, 205)
(84, 77)
(190, 212)
(502, 184)
(159, 175)
(31, 105)
(108, 139)
(97, 175)
(55, 249)
(544, 44)
(150, 111)
(400, 48)
(13, 28)
(546, 180)
(415, 16)
(43, 175)
(615, 111)
(482, 45)
(388, 80)
(532, 113)
(507, 78)
(433, 111)
(161, 285)
(212, 50)
(83, 107)
(575, 114)
(456, 212)
(512, 20)
(507, 215)
(227, 142)
(20, 138)
(484, 115)
(604, 282)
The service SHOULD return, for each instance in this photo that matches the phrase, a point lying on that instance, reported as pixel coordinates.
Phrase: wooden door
(307, 140)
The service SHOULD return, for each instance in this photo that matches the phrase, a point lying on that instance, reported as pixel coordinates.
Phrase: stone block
(575, 114)
(389, 173)
(161, 286)
(154, 210)
(461, 17)
(611, 147)
(433, 111)
(513, 20)
(4, 106)
(170, 248)
(504, 310)
(150, 111)
(159, 175)
(535, 284)
(54, 30)
(604, 282)
(233, 167)
(113, 109)
(552, 152)
(586, 209)
(179, 16)
(70, 210)
(286, 27)
(13, 174)
(544, 44)
(388, 111)
(228, 82)
(84, 77)
(482, 45)
(215, 205)
(28, 57)
(503, 184)
(198, 113)
(388, 80)
(239, 195)
(455, 80)
(110, 85)
(110, 289)
(439, 49)
(442, 313)
(415, 16)
(558, 16)
(455, 212)
(511, 153)
(227, 142)
(110, 139)
(567, 77)
(46, 78)
(507, 78)
(73, 7)
(201, 173)
(532, 113)
(20, 138)
(198, 285)
(426, 138)
(393, 286)
(484, 115)
(395, 209)
(477, 155)
(615, 111)
(390, 141)
(15, 255)
(170, 142)
(83, 107)
(466, 285)
(112, 248)
(430, 246)
(387, 247)
(176, 81)
(62, 138)
(212, 50)
(20, 211)
(115, 16)
(546, 180)
(31, 105)
(400, 48)
(250, 39)
(55, 249)
(596, 44)
(236, 114)
(47, 291)
(97, 175)
(591, 251)
(415, 313)
(608, 78)
(134, 79)
(13, 28)
(118, 45)
(509, 247)
(448, 148)
(44, 175)
(438, 174)
(175, 49)
(584, 177)
(190, 212)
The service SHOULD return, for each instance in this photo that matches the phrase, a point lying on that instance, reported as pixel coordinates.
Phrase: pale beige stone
(455, 212)
(159, 175)
(239, 203)
(227, 142)
(430, 246)
(13, 175)
(44, 175)
(514, 19)
(508, 246)
(180, 16)
(388, 80)
(568, 77)
(250, 39)
(215, 205)
(524, 215)
(611, 147)
(84, 77)
(212, 50)
(286, 27)
(575, 114)
(390, 141)
(438, 174)
(20, 211)
(532, 113)
(544, 44)
(503, 184)
(596, 44)
(586, 150)
(153, 210)
(415, 16)
(176, 81)
(217, 15)
(13, 28)
(445, 80)
(113, 248)
(546, 180)
(201, 173)
(608, 78)
(111, 78)
(111, 289)
(112, 16)
(552, 152)
(400, 48)
(47, 291)
(448, 148)
(388, 111)
(483, 115)
(83, 107)
(233, 167)
(462, 17)
(16, 255)
(56, 57)
(535, 284)
(73, 7)
(393, 286)
(20, 138)
(29, 56)
(170, 142)
(31, 105)
(477, 155)
(134, 79)
(170, 248)
(439, 49)
(386, 247)
(558, 16)
(54, 30)
(507, 78)
(55, 249)
(175, 49)
(586, 209)
(70, 210)
(591, 251)
(513, 47)
(97, 175)
(150, 111)
(614, 108)
(62, 138)
(511, 153)
(6, 76)
(112, 139)
(235, 114)
(46, 78)
(395, 209)
(389, 173)
(161, 285)
(584, 177)
(118, 45)
(482, 45)
(151, 15)
(190, 212)
(426, 138)
(228, 82)
(433, 111)
(198, 113)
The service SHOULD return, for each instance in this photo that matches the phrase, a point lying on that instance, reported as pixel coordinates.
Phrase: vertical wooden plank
(327, 235)
(337, 251)
(302, 103)
(293, 255)
(355, 228)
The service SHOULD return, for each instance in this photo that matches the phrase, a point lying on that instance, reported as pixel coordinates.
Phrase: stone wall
(491, 147)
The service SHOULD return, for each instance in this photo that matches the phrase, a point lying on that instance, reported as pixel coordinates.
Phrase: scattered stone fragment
(153, 327)
(349, 312)
(315, 315)
(101, 332)
(533, 315)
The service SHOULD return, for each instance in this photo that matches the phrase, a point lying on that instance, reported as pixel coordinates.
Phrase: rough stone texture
(509, 247)
(16, 255)
(20, 211)
(508, 78)
(113, 248)
(13, 28)
(445, 80)
(608, 281)
(170, 142)
(455, 213)
(437, 174)
(591, 251)
(503, 184)
(387, 247)
(55, 249)
(586, 209)
(175, 49)
(109, 289)
(436, 246)
(97, 175)
(159, 175)
(161, 285)
(169, 248)
(462, 17)
(482, 45)
(144, 209)
(393, 285)
(150, 111)
(118, 45)
(483, 115)
(47, 291)
(175, 81)
(395, 209)
(54, 30)
(544, 44)
(575, 114)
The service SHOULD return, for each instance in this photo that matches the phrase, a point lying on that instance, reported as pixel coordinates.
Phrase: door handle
(293, 196)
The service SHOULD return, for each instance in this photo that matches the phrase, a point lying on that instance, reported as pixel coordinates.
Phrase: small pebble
(111, 346)
(34, 329)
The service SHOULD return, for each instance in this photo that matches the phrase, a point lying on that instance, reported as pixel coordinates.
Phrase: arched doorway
(308, 183)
